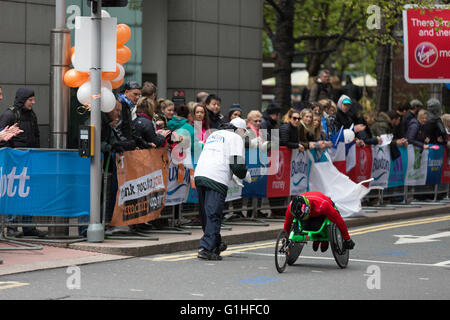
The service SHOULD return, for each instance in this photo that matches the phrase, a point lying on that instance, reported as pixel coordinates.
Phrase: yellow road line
(359, 231)
(11, 284)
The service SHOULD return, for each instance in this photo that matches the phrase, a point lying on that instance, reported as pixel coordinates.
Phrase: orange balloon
(74, 78)
(123, 54)
(123, 34)
(72, 51)
(117, 84)
(108, 76)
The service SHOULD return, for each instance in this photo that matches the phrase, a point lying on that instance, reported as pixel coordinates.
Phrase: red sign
(445, 175)
(427, 46)
(363, 168)
(278, 184)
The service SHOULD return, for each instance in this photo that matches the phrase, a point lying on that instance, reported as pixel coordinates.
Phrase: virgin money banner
(427, 46)
(363, 164)
(42, 183)
(380, 166)
(142, 177)
(416, 174)
(299, 172)
(435, 160)
(278, 184)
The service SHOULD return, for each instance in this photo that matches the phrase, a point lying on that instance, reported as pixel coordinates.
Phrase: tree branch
(268, 30)
(276, 7)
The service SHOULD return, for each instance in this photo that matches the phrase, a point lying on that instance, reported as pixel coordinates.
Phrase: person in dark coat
(23, 114)
(270, 118)
(434, 128)
(386, 123)
(321, 88)
(289, 131)
(414, 107)
(144, 126)
(416, 131)
(352, 90)
(213, 106)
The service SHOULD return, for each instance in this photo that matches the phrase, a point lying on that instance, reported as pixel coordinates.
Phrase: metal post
(95, 232)
(60, 94)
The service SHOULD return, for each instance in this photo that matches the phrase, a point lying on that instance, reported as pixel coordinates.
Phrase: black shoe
(349, 244)
(324, 246)
(222, 247)
(315, 245)
(14, 233)
(208, 255)
(35, 233)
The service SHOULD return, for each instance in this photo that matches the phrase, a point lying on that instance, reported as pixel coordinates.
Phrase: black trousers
(211, 205)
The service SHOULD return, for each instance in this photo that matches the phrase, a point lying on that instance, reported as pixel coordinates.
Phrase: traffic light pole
(95, 232)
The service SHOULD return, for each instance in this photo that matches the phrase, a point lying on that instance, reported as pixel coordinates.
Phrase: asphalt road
(406, 259)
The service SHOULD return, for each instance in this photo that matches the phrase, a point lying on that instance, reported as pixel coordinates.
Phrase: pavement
(32, 255)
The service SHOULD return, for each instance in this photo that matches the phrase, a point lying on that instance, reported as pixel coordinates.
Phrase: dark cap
(273, 108)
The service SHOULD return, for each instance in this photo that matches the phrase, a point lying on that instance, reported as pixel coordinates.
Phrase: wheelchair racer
(313, 204)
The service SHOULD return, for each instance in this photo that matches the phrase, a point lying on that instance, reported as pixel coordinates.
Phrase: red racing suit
(319, 205)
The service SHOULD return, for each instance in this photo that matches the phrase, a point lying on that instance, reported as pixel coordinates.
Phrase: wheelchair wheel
(341, 255)
(281, 251)
(294, 252)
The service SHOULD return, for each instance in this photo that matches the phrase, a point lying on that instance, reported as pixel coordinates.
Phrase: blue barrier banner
(42, 183)
(257, 164)
(397, 169)
(434, 169)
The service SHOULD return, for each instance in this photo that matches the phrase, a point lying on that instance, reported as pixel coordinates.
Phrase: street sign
(427, 49)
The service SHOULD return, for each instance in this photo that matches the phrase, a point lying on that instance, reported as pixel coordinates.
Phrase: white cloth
(214, 161)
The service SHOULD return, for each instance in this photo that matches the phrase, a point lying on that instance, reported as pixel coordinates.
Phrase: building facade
(189, 45)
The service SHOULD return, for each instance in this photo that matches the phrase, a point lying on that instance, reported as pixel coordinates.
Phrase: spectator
(201, 122)
(345, 120)
(446, 121)
(149, 90)
(386, 123)
(270, 118)
(8, 132)
(306, 130)
(128, 98)
(414, 107)
(434, 128)
(354, 92)
(144, 126)
(401, 110)
(289, 130)
(213, 106)
(328, 117)
(201, 97)
(319, 132)
(23, 114)
(164, 113)
(234, 112)
(416, 131)
(321, 88)
(366, 120)
(256, 139)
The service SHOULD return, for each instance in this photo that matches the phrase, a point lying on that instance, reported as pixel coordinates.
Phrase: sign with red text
(427, 46)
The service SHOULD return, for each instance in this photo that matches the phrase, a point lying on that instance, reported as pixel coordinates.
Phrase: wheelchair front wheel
(294, 252)
(281, 251)
(341, 255)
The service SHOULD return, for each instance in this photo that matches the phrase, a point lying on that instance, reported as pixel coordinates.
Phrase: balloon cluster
(110, 80)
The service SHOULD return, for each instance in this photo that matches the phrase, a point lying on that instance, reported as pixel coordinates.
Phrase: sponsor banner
(435, 160)
(363, 164)
(178, 183)
(257, 164)
(299, 172)
(416, 174)
(278, 184)
(42, 183)
(427, 49)
(381, 162)
(446, 167)
(142, 186)
(397, 169)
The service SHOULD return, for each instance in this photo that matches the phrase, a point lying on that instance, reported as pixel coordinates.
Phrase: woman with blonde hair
(164, 112)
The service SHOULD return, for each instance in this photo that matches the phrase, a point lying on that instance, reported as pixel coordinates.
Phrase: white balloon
(108, 100)
(121, 74)
(107, 84)
(349, 135)
(105, 14)
(84, 93)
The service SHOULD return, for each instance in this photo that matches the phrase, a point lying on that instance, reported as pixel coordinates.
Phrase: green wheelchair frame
(289, 247)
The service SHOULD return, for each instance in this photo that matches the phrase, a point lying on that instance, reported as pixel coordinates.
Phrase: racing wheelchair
(289, 247)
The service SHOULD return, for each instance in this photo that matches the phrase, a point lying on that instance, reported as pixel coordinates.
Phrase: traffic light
(110, 3)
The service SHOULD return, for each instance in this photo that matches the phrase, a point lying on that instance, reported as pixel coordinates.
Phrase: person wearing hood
(270, 118)
(22, 113)
(345, 119)
(434, 128)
